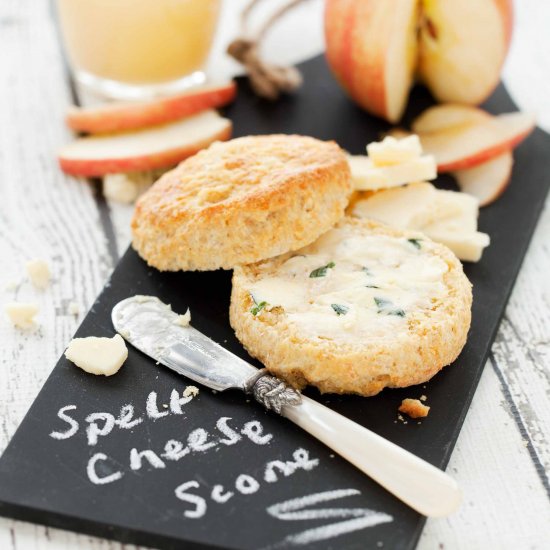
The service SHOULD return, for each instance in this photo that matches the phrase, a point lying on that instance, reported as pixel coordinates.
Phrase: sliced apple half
(372, 50)
(447, 116)
(462, 46)
(486, 181)
(157, 147)
(465, 146)
(120, 116)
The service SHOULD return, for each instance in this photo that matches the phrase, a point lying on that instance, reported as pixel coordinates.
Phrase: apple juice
(138, 42)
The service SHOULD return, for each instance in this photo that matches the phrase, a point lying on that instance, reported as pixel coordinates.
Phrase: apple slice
(465, 146)
(462, 46)
(486, 181)
(119, 116)
(372, 50)
(156, 147)
(446, 116)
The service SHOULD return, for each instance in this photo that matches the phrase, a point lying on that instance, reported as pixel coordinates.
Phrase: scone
(363, 308)
(242, 201)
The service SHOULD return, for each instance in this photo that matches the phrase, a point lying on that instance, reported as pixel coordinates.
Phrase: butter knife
(152, 327)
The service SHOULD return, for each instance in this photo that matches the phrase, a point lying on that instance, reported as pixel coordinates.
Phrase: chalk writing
(244, 484)
(93, 474)
(198, 441)
(196, 495)
(72, 423)
(101, 424)
(295, 510)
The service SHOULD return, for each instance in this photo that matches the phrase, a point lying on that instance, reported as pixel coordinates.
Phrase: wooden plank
(501, 487)
(43, 214)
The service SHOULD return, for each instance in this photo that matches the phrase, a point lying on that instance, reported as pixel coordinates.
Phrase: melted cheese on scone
(348, 288)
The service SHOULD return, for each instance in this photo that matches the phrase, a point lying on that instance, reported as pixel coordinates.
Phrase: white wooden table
(502, 457)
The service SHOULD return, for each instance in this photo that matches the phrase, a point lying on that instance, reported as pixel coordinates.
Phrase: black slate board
(45, 480)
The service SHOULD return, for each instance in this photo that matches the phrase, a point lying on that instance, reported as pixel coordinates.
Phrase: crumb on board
(414, 408)
(190, 391)
(423, 398)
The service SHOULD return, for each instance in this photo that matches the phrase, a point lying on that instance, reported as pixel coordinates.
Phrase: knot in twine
(267, 80)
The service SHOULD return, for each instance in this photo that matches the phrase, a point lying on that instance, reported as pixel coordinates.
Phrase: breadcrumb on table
(414, 408)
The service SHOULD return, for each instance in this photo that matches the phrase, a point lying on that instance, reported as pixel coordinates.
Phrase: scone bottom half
(242, 201)
(363, 308)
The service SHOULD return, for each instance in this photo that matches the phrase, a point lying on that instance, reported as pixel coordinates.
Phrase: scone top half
(363, 308)
(242, 201)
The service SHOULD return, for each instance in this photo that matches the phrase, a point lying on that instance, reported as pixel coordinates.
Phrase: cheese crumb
(39, 273)
(394, 151)
(126, 187)
(119, 188)
(414, 408)
(98, 355)
(191, 391)
(423, 398)
(73, 308)
(21, 314)
(185, 319)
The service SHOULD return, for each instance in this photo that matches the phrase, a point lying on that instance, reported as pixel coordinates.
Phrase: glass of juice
(135, 49)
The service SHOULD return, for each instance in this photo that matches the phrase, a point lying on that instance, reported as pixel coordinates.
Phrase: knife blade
(152, 327)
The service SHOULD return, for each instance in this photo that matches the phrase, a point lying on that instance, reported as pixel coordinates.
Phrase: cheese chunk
(98, 355)
(366, 176)
(39, 273)
(394, 151)
(126, 187)
(467, 246)
(447, 217)
(73, 308)
(21, 314)
(120, 188)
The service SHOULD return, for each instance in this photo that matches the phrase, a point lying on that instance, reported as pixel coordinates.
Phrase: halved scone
(242, 201)
(363, 308)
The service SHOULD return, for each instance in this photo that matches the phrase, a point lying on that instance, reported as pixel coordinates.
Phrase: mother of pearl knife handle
(423, 487)
(416, 482)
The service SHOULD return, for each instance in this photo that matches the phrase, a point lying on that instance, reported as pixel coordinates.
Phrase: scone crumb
(191, 391)
(73, 308)
(423, 398)
(414, 408)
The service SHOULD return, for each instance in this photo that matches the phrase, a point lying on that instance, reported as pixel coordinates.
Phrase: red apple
(157, 147)
(446, 116)
(371, 48)
(486, 181)
(468, 145)
(463, 44)
(374, 48)
(119, 116)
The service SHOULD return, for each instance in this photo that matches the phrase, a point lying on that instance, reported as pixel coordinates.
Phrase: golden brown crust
(242, 201)
(414, 408)
(433, 339)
